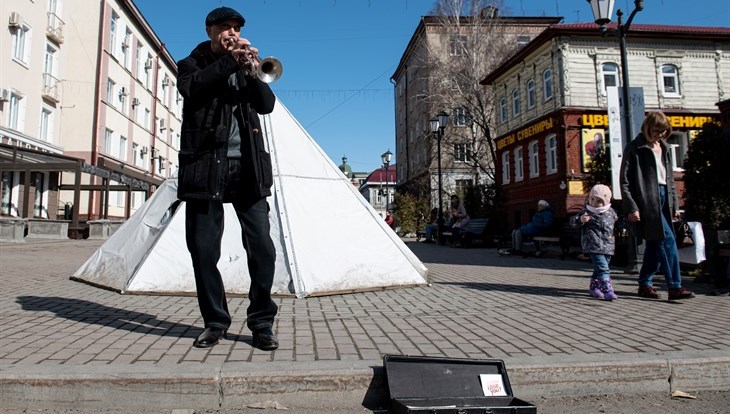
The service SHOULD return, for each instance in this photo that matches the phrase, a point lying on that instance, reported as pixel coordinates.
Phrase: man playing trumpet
(223, 160)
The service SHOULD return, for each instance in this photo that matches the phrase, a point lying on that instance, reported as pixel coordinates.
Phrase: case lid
(436, 377)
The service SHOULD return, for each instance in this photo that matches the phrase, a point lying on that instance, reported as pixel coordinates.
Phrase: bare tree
(470, 40)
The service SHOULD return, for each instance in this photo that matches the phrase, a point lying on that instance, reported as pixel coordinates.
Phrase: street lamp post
(437, 127)
(602, 11)
(385, 158)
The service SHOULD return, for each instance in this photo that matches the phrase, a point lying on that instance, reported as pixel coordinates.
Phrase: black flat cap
(221, 14)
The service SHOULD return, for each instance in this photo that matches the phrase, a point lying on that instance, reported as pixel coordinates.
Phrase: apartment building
(92, 81)
(553, 103)
(415, 79)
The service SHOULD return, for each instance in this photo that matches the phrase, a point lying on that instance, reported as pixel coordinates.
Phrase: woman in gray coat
(650, 200)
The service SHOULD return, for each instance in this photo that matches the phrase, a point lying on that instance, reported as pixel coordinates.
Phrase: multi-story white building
(553, 102)
(90, 80)
(414, 80)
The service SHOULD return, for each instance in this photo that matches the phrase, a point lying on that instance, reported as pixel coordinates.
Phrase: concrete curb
(232, 385)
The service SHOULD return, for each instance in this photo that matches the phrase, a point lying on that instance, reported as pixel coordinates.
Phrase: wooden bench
(561, 233)
(474, 230)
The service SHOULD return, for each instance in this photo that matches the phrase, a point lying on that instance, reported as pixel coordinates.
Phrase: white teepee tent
(328, 238)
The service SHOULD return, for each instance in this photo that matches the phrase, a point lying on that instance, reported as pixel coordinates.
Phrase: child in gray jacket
(597, 220)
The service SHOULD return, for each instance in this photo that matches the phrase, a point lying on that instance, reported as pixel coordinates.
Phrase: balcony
(54, 30)
(50, 88)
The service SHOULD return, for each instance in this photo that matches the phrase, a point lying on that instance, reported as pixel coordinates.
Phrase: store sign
(526, 132)
(677, 121)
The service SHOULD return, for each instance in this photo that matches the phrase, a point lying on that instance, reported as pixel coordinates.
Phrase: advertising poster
(593, 141)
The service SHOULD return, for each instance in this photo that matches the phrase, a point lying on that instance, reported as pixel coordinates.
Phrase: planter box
(47, 229)
(12, 229)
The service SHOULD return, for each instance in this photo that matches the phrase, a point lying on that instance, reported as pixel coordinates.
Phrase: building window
(462, 152)
(515, 102)
(16, 114)
(46, 127)
(38, 183)
(126, 46)
(531, 97)
(534, 154)
(670, 80)
(135, 154)
(148, 69)
(122, 148)
(110, 86)
(457, 46)
(519, 165)
(522, 40)
(551, 154)
(461, 117)
(677, 149)
(147, 118)
(113, 33)
(610, 75)
(6, 207)
(108, 134)
(505, 167)
(547, 84)
(21, 38)
(503, 110)
(139, 57)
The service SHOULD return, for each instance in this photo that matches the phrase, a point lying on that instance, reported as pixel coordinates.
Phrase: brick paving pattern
(480, 305)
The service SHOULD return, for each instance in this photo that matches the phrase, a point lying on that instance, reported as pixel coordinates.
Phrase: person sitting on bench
(459, 220)
(541, 222)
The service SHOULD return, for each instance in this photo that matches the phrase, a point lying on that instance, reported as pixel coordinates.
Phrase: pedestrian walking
(650, 200)
(596, 221)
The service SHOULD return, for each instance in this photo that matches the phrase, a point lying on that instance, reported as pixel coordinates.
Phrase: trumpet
(268, 70)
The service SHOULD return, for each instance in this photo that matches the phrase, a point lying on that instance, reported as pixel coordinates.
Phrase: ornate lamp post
(602, 11)
(385, 158)
(437, 127)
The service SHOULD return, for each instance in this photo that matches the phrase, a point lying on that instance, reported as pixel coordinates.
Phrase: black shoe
(265, 340)
(210, 336)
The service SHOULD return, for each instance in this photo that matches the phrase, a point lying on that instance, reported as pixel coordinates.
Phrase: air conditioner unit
(144, 150)
(125, 44)
(4, 95)
(148, 64)
(162, 125)
(166, 81)
(162, 163)
(135, 102)
(16, 20)
(123, 91)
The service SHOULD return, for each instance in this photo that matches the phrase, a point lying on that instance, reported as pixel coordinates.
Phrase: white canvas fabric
(328, 238)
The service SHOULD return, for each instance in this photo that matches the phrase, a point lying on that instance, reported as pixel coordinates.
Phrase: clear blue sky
(338, 55)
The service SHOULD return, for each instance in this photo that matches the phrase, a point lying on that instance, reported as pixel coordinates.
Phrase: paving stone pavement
(529, 312)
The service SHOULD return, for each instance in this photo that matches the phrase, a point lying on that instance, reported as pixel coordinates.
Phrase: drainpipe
(154, 113)
(97, 102)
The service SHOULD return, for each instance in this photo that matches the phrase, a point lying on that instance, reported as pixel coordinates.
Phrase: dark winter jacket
(207, 115)
(541, 222)
(640, 187)
(597, 233)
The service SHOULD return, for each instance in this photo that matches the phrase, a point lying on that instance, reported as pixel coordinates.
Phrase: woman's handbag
(683, 234)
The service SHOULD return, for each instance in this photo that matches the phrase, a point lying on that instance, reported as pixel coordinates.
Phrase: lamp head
(443, 119)
(386, 157)
(434, 123)
(602, 10)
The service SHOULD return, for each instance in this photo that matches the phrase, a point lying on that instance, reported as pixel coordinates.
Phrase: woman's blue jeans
(661, 254)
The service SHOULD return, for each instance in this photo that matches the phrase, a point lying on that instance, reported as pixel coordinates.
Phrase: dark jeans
(204, 221)
(662, 254)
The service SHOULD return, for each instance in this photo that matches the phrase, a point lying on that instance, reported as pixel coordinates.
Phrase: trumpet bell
(270, 70)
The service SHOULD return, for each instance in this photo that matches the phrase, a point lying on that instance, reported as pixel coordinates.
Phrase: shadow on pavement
(95, 313)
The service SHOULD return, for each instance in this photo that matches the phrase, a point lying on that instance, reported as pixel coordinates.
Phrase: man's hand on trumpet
(243, 52)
